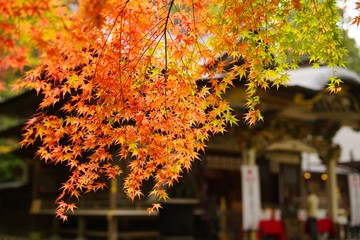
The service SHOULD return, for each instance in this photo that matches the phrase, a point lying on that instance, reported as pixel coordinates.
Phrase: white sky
(349, 141)
(350, 13)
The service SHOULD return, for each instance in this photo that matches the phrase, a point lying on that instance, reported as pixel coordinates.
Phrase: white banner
(250, 197)
(354, 191)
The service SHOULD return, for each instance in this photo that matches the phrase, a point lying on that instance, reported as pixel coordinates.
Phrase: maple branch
(148, 44)
(165, 30)
(150, 41)
(107, 37)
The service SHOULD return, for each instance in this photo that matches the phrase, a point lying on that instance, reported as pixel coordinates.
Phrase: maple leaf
(154, 207)
(68, 187)
(253, 116)
(61, 216)
(75, 193)
(71, 207)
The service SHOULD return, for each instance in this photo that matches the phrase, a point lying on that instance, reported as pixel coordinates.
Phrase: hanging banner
(354, 191)
(250, 197)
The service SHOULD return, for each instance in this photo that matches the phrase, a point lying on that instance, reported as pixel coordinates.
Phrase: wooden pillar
(36, 202)
(332, 190)
(55, 230)
(81, 228)
(223, 235)
(112, 227)
(112, 220)
(249, 158)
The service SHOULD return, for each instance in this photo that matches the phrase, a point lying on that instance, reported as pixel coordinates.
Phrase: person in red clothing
(312, 208)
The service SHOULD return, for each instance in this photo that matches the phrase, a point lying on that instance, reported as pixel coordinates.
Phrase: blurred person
(312, 209)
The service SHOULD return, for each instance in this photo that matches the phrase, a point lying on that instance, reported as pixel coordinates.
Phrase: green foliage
(11, 168)
(7, 122)
(353, 57)
(8, 79)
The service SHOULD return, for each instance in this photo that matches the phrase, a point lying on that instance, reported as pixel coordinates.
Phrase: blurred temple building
(299, 146)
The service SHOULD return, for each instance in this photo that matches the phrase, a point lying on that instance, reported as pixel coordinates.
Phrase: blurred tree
(353, 56)
(11, 168)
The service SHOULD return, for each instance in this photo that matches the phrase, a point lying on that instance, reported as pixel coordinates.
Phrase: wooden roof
(22, 106)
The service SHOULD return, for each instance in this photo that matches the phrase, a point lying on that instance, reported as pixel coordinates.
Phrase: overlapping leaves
(139, 81)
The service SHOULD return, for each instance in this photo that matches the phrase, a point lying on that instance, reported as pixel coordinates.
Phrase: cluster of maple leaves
(356, 20)
(142, 81)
